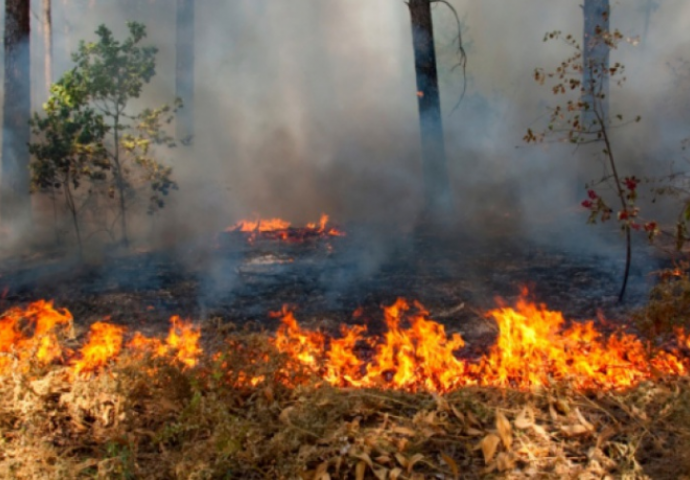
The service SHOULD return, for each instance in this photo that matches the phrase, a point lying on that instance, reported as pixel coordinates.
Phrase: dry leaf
(573, 430)
(452, 465)
(360, 470)
(395, 473)
(489, 444)
(525, 419)
(583, 420)
(404, 431)
(473, 432)
(284, 416)
(505, 431)
(402, 459)
(381, 473)
(504, 462)
(411, 462)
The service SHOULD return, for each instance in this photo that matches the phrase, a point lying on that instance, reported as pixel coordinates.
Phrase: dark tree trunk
(15, 201)
(184, 70)
(436, 184)
(595, 59)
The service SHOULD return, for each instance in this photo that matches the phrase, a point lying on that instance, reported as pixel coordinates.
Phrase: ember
(277, 229)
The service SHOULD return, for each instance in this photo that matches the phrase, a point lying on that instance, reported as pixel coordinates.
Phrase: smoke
(310, 106)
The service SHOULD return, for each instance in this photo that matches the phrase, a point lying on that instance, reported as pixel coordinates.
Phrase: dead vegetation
(152, 416)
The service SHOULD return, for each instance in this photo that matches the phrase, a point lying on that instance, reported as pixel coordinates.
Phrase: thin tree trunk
(595, 58)
(120, 180)
(184, 69)
(48, 43)
(436, 184)
(15, 200)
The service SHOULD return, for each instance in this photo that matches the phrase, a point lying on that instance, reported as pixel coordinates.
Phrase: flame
(278, 229)
(32, 333)
(104, 344)
(533, 349)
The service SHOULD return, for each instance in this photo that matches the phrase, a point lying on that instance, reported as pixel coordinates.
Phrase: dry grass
(144, 418)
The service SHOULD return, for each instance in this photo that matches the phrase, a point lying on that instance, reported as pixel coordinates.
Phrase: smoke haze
(309, 106)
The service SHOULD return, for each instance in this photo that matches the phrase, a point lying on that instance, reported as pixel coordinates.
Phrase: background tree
(437, 194)
(48, 43)
(15, 202)
(184, 68)
(114, 73)
(69, 145)
(89, 130)
(595, 60)
(585, 120)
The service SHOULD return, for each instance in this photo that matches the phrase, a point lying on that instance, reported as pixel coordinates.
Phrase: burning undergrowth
(278, 229)
(548, 398)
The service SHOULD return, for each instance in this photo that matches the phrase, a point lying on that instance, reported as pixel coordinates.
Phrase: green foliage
(88, 132)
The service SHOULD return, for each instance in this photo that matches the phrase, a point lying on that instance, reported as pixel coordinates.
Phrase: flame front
(534, 348)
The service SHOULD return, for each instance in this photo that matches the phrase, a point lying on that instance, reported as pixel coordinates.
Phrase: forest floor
(243, 409)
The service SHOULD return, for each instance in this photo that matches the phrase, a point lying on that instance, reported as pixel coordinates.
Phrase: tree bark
(595, 58)
(15, 200)
(184, 69)
(48, 44)
(437, 193)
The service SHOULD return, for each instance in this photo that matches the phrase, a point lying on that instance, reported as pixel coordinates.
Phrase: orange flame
(276, 228)
(532, 350)
(534, 347)
(104, 344)
(32, 333)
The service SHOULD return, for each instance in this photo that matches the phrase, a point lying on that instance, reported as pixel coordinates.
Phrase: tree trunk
(437, 193)
(48, 44)
(184, 69)
(15, 200)
(595, 58)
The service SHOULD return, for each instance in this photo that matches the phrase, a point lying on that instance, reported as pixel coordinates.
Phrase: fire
(278, 229)
(535, 347)
(32, 333)
(104, 344)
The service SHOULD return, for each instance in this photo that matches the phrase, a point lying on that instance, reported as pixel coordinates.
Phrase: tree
(70, 146)
(437, 194)
(15, 201)
(586, 120)
(595, 60)
(89, 131)
(48, 43)
(184, 68)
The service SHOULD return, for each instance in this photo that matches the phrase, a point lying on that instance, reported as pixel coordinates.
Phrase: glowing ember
(277, 229)
(32, 333)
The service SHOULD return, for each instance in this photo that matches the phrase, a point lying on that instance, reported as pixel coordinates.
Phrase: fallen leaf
(489, 444)
(452, 465)
(525, 419)
(504, 462)
(505, 431)
(360, 470)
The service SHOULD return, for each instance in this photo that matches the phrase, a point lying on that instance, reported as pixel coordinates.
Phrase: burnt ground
(232, 281)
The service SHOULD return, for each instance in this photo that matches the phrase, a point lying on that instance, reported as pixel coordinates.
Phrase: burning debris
(277, 229)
